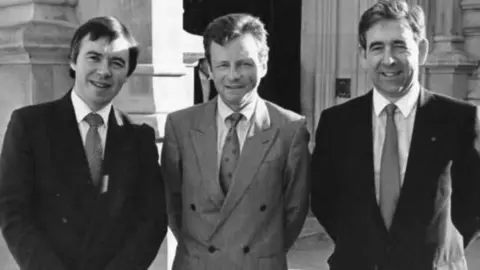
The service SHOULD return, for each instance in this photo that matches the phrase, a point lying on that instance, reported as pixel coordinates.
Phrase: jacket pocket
(187, 262)
(273, 262)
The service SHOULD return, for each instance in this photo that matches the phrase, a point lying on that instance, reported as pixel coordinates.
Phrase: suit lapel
(425, 130)
(119, 147)
(66, 143)
(364, 169)
(254, 151)
(204, 140)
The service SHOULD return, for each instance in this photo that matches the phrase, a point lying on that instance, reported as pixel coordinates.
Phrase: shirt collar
(224, 111)
(81, 109)
(405, 104)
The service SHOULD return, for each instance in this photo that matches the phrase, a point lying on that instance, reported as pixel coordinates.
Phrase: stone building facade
(35, 36)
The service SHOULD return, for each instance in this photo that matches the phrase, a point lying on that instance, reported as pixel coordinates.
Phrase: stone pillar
(34, 41)
(449, 65)
(318, 58)
(471, 30)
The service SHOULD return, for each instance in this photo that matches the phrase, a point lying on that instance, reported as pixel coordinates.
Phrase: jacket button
(246, 249)
(263, 207)
(211, 249)
(193, 207)
(64, 220)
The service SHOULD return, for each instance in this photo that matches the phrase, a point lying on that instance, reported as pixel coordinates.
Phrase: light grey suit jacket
(257, 221)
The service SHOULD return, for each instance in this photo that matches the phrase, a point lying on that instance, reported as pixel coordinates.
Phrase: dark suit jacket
(50, 214)
(438, 204)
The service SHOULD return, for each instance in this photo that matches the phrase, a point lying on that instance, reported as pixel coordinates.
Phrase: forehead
(102, 45)
(389, 30)
(244, 46)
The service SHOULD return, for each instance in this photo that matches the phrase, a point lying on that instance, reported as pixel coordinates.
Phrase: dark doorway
(282, 19)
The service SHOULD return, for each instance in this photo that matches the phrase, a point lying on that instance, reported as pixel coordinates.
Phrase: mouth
(390, 74)
(101, 85)
(234, 87)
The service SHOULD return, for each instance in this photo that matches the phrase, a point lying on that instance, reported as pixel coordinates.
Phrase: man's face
(100, 70)
(236, 70)
(392, 57)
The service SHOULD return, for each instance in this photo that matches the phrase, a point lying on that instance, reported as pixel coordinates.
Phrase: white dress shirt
(243, 126)
(404, 120)
(81, 110)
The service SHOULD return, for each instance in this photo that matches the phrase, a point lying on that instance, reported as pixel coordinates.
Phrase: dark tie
(230, 153)
(93, 147)
(390, 169)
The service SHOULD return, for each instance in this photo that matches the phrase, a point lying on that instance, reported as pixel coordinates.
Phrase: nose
(103, 69)
(388, 58)
(233, 73)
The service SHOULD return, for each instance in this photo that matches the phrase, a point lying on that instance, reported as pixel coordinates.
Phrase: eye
(93, 57)
(118, 64)
(222, 65)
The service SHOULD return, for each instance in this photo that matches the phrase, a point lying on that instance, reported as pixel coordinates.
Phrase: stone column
(34, 41)
(318, 58)
(449, 65)
(471, 30)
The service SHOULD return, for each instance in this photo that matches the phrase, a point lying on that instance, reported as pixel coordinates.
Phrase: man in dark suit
(237, 167)
(79, 183)
(396, 172)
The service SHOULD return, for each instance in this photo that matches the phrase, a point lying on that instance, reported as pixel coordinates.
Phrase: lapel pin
(433, 139)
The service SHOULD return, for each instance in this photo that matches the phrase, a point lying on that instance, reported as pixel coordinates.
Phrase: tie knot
(94, 119)
(390, 109)
(234, 118)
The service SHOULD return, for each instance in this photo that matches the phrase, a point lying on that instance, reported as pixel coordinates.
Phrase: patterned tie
(93, 147)
(390, 169)
(230, 153)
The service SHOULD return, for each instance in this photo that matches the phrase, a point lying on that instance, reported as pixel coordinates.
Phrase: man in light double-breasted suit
(236, 167)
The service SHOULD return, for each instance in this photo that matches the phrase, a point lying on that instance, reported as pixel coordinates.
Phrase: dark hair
(104, 27)
(226, 28)
(392, 10)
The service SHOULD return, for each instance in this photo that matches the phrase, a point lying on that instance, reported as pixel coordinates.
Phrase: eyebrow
(375, 43)
(113, 58)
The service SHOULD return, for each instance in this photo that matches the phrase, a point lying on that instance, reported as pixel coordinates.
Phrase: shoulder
(288, 122)
(449, 104)
(351, 106)
(140, 129)
(187, 113)
(37, 114)
(283, 116)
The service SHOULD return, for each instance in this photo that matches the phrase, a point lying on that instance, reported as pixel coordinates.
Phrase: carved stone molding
(36, 31)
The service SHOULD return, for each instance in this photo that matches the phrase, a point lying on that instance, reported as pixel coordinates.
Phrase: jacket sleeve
(142, 246)
(466, 180)
(324, 191)
(172, 173)
(28, 245)
(297, 185)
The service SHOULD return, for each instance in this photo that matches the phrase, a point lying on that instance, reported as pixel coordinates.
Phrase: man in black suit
(79, 183)
(396, 172)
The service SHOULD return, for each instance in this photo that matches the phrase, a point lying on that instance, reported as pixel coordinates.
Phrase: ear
(210, 72)
(422, 51)
(264, 67)
(362, 55)
(73, 66)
